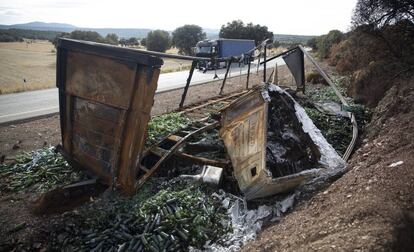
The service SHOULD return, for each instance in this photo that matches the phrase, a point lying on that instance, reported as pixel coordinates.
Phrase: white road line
(28, 112)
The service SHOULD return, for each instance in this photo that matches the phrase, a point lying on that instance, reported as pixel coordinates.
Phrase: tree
(87, 35)
(382, 12)
(123, 42)
(388, 21)
(186, 37)
(111, 38)
(234, 30)
(143, 42)
(158, 41)
(237, 30)
(132, 41)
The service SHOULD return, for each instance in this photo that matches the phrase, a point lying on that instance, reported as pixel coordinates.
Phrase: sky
(302, 17)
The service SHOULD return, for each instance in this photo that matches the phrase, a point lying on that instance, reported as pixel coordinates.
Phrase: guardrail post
(187, 85)
(248, 70)
(225, 76)
(264, 65)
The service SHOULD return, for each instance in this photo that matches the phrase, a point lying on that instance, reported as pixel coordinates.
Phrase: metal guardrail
(351, 146)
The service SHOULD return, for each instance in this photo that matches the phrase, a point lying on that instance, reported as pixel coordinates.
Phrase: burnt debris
(289, 149)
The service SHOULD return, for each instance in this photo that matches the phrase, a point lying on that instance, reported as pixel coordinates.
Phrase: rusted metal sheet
(244, 132)
(105, 97)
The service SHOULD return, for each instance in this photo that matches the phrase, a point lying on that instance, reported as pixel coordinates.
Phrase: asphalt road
(25, 105)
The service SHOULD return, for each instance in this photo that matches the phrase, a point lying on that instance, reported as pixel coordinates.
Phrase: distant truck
(221, 48)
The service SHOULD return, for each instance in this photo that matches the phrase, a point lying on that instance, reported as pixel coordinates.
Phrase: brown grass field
(36, 63)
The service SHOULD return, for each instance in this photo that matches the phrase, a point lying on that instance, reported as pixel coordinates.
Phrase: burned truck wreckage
(106, 96)
(253, 144)
(272, 143)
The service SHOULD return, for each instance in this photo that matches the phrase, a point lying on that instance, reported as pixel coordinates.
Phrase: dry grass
(35, 62)
(174, 65)
(277, 50)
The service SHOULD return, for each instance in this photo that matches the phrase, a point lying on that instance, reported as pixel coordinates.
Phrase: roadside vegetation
(375, 52)
(370, 57)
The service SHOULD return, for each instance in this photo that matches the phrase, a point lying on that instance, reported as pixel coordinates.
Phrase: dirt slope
(370, 208)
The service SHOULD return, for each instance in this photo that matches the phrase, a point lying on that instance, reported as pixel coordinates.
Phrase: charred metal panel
(105, 97)
(296, 64)
(244, 132)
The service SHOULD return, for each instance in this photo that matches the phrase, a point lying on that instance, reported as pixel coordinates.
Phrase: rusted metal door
(105, 95)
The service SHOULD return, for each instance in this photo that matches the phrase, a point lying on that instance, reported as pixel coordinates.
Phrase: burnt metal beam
(258, 62)
(187, 85)
(225, 76)
(264, 60)
(248, 72)
(278, 55)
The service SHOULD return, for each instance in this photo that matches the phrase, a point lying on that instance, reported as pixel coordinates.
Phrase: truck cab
(206, 48)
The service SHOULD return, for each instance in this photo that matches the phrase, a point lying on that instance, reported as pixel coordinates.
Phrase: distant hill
(42, 25)
(133, 32)
(61, 27)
